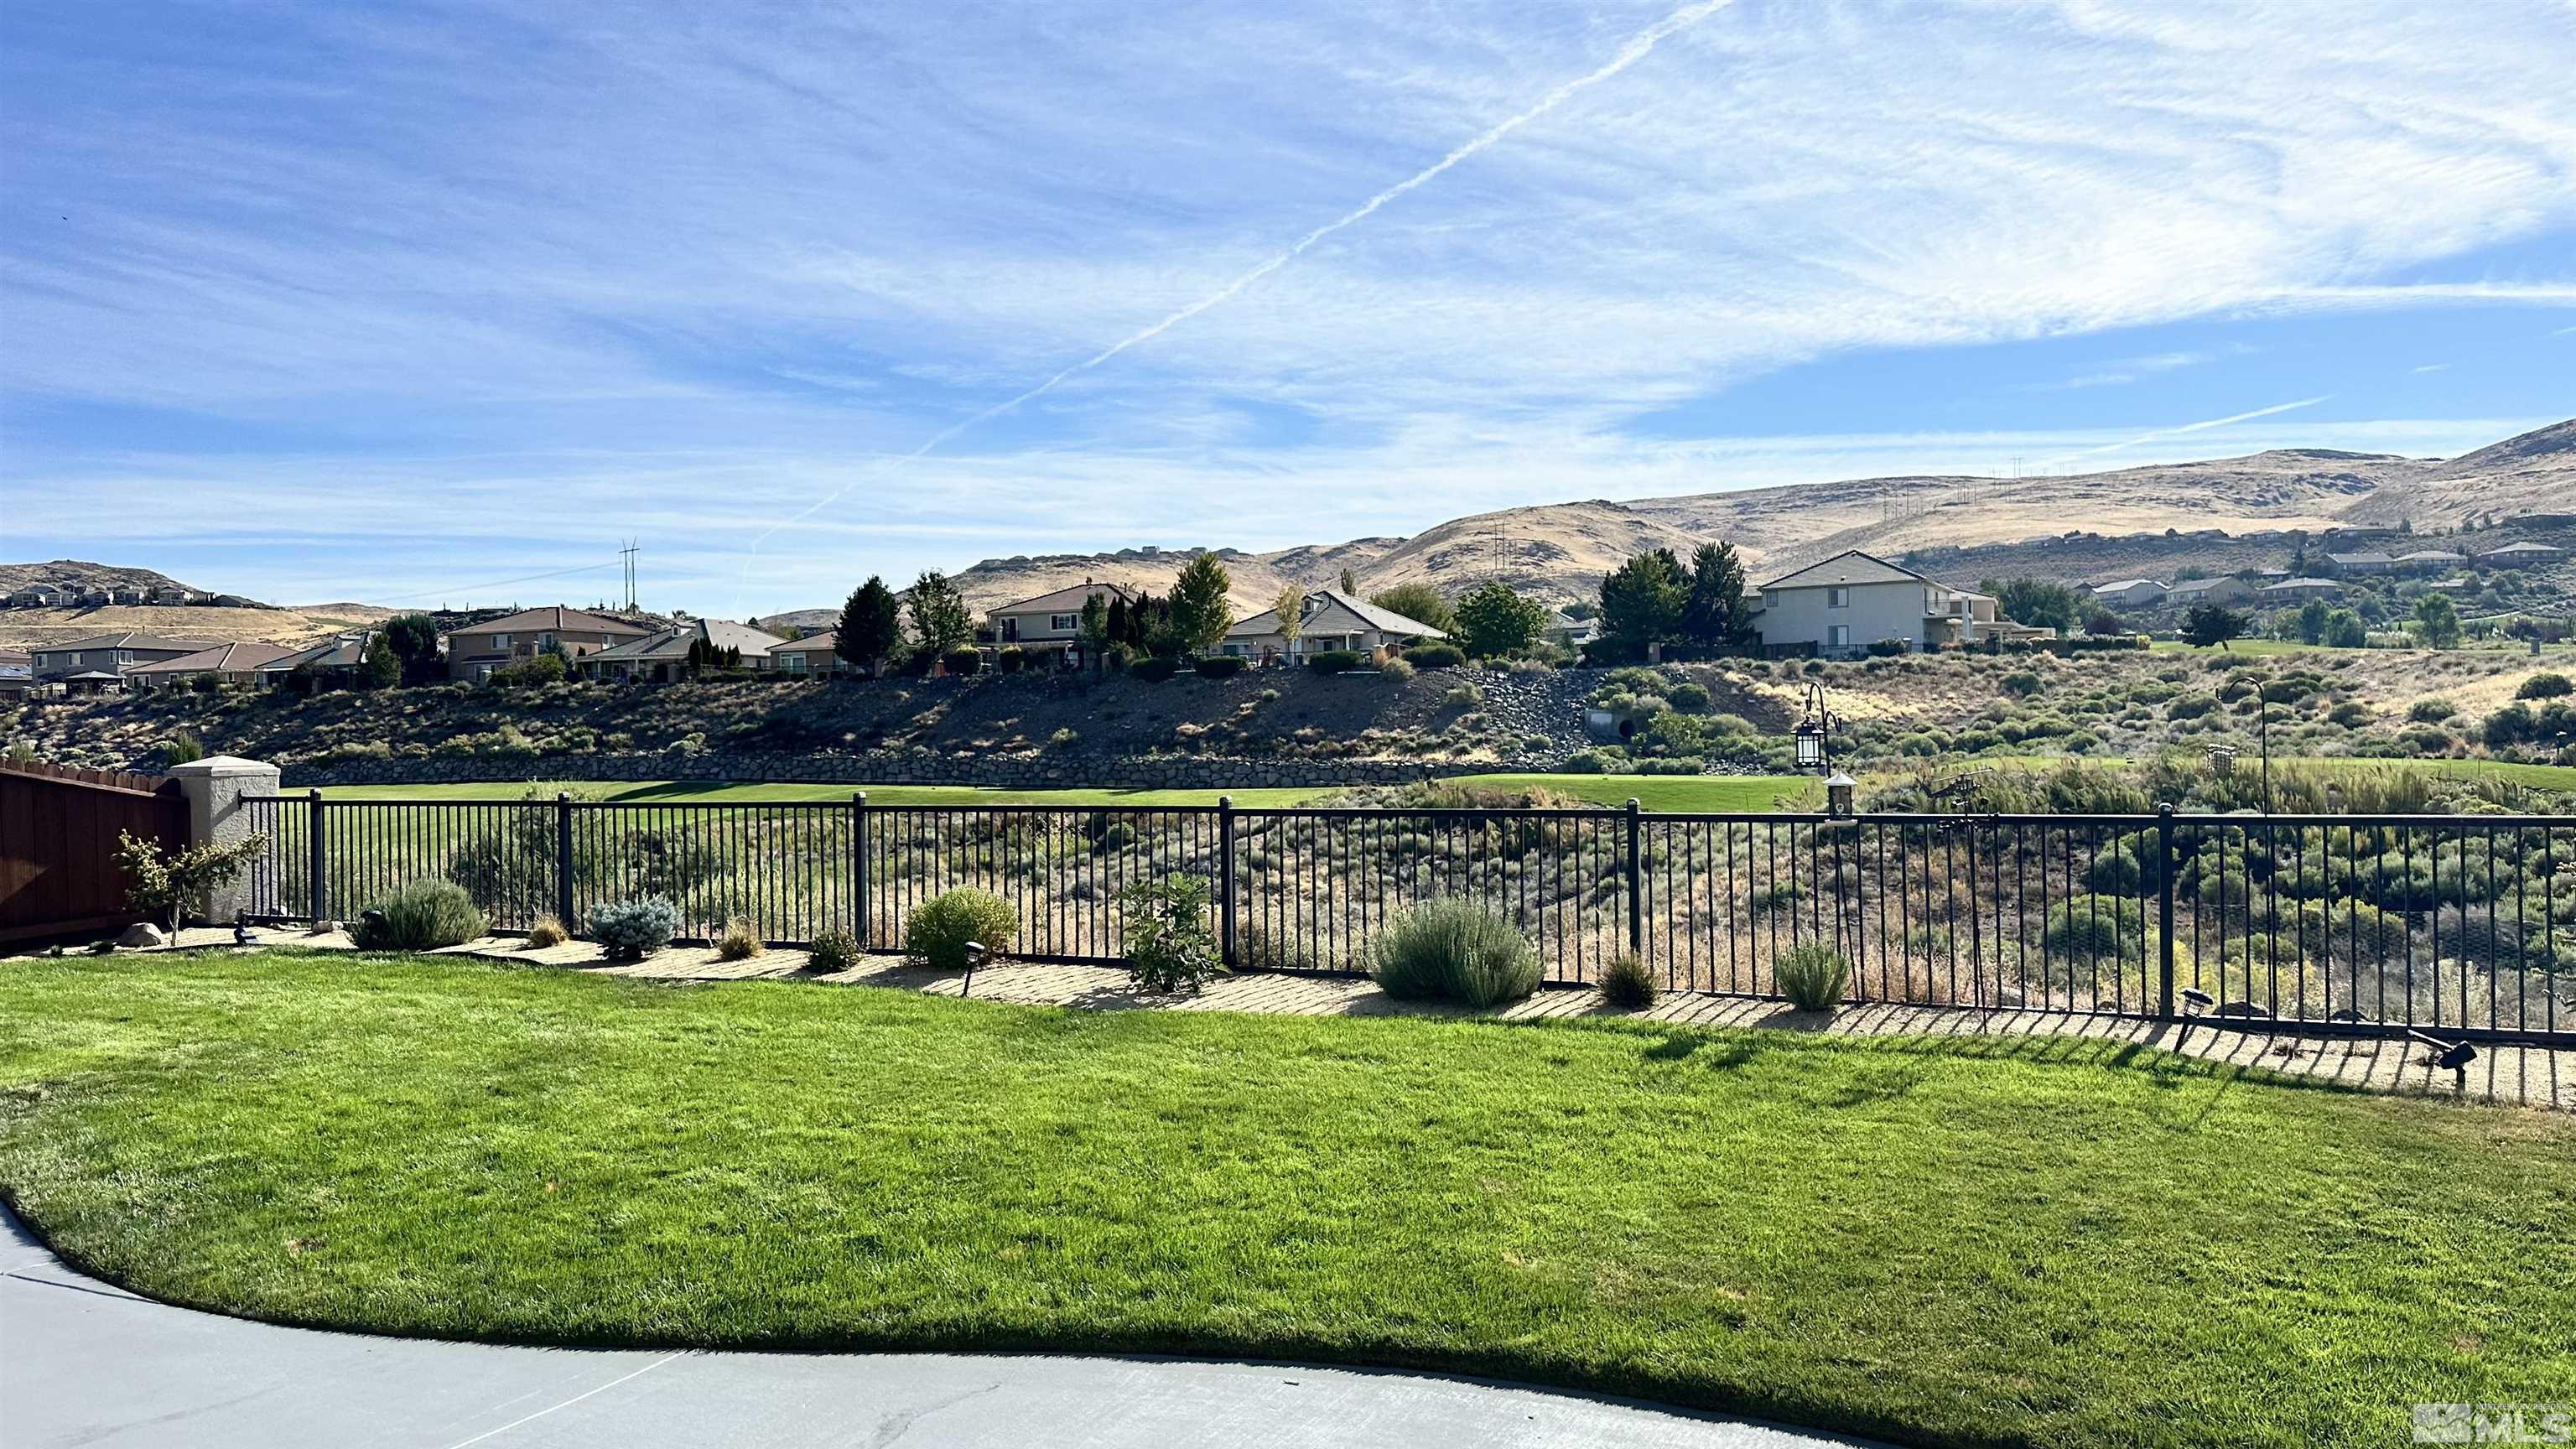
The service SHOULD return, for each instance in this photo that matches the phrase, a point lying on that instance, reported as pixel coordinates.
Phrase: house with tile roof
(234, 663)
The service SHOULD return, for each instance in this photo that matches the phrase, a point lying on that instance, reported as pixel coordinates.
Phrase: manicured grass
(2003, 1241)
(1677, 793)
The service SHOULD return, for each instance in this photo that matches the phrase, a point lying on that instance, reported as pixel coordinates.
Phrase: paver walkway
(2517, 1076)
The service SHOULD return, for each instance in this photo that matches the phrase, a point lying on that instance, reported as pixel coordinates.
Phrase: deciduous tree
(1200, 613)
(1419, 602)
(1493, 620)
(2209, 624)
(940, 618)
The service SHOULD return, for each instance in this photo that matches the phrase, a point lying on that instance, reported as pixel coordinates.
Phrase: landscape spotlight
(241, 930)
(974, 958)
(2455, 1055)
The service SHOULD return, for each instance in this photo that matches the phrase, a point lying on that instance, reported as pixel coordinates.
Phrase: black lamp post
(1814, 734)
(2263, 729)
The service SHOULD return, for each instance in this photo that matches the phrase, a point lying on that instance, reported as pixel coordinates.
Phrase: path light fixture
(2195, 1005)
(2455, 1055)
(974, 958)
(1838, 795)
(241, 929)
(1814, 734)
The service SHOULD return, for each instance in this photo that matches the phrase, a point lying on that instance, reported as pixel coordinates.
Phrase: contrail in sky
(1638, 47)
(2305, 402)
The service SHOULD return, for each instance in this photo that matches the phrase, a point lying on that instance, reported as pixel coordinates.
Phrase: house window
(500, 641)
(1061, 623)
(1837, 598)
(1838, 636)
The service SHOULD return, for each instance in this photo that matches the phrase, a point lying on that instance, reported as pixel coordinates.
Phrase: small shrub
(1153, 671)
(1012, 659)
(937, 933)
(1396, 669)
(1219, 666)
(1170, 947)
(1333, 661)
(2431, 711)
(833, 950)
(1452, 950)
(424, 915)
(1065, 738)
(1464, 696)
(1627, 984)
(2538, 686)
(962, 661)
(2021, 684)
(1813, 976)
(1435, 656)
(633, 930)
(740, 941)
(1689, 696)
(547, 932)
(2098, 926)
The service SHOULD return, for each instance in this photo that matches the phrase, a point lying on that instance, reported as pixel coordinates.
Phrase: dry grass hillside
(35, 628)
(1560, 551)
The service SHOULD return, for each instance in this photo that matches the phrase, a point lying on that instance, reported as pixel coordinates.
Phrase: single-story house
(2187, 592)
(173, 594)
(813, 654)
(2521, 555)
(1838, 608)
(1571, 632)
(332, 663)
(17, 675)
(1050, 624)
(474, 651)
(2297, 591)
(1331, 620)
(662, 657)
(237, 663)
(111, 653)
(2430, 561)
(2131, 593)
(2360, 565)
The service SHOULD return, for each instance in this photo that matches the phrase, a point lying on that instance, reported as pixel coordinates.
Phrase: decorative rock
(142, 935)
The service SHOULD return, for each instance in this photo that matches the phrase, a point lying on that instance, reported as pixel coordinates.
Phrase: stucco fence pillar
(215, 787)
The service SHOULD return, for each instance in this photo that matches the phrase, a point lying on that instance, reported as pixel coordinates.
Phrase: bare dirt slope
(34, 628)
(2533, 473)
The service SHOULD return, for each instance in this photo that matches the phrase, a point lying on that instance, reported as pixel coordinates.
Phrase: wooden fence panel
(58, 830)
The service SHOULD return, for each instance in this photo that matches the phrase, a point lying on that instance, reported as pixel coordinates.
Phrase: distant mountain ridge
(1560, 551)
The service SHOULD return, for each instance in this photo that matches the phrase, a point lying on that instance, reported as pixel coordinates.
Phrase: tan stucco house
(1048, 628)
(813, 654)
(1331, 620)
(663, 655)
(238, 663)
(111, 654)
(474, 651)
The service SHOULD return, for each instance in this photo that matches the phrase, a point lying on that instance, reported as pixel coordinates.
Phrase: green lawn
(1658, 792)
(1997, 1241)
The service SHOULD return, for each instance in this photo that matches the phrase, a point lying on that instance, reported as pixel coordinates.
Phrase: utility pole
(627, 555)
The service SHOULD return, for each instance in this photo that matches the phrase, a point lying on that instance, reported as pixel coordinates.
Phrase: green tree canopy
(1716, 617)
(1291, 609)
(1419, 602)
(2041, 603)
(940, 618)
(2312, 621)
(378, 668)
(2344, 630)
(1493, 619)
(871, 626)
(2209, 624)
(2436, 622)
(1642, 602)
(1200, 613)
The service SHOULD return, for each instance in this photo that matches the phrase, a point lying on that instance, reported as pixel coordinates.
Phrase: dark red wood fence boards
(58, 829)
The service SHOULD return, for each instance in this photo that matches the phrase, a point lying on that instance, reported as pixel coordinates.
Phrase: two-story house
(110, 654)
(1838, 608)
(664, 656)
(474, 651)
(1048, 628)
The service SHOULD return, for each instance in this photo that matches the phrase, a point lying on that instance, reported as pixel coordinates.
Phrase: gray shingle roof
(1845, 569)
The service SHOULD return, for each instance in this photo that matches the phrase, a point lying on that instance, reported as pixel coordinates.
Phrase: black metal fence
(2457, 924)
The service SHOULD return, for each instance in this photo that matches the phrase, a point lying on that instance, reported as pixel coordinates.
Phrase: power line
(492, 584)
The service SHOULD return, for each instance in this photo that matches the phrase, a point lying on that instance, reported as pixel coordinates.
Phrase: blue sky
(394, 302)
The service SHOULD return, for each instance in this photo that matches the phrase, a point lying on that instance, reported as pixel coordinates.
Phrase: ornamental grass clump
(547, 932)
(1451, 950)
(424, 915)
(633, 930)
(939, 929)
(740, 942)
(1813, 976)
(1627, 984)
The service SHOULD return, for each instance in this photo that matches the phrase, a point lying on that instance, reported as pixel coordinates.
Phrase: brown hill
(31, 628)
(72, 573)
(2534, 473)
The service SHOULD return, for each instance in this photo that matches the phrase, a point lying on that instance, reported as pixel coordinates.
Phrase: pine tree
(1716, 617)
(870, 627)
(1642, 602)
